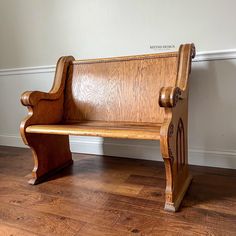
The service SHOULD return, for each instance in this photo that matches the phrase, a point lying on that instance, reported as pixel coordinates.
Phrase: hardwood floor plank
(7, 230)
(114, 208)
(94, 230)
(35, 221)
(111, 196)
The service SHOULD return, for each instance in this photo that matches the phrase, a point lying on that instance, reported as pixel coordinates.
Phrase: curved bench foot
(38, 180)
(175, 204)
(51, 154)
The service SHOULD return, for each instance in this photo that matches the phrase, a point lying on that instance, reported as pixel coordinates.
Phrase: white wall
(36, 33)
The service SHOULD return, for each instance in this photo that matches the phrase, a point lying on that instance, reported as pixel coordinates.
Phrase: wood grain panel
(118, 90)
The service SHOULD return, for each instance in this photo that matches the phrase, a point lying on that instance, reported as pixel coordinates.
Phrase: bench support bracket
(51, 153)
(174, 131)
(175, 154)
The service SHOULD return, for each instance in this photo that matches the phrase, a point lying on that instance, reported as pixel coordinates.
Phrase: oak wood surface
(50, 152)
(112, 196)
(103, 129)
(174, 131)
(136, 97)
(118, 90)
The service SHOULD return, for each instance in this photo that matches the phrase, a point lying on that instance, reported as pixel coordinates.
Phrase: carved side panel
(180, 146)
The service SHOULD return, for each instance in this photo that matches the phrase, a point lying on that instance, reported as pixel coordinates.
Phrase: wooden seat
(136, 97)
(101, 129)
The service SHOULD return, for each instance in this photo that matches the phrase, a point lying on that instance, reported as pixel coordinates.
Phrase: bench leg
(51, 153)
(178, 178)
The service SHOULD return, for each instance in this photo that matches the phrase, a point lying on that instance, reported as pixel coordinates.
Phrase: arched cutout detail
(180, 146)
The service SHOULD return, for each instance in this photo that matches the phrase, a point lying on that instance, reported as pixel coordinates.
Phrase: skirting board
(130, 149)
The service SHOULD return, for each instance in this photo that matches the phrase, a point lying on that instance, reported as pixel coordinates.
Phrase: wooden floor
(107, 196)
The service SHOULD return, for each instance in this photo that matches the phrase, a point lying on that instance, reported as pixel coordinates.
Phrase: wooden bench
(137, 97)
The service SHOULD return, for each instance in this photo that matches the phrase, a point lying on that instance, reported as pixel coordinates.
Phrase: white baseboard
(223, 159)
(11, 140)
(132, 149)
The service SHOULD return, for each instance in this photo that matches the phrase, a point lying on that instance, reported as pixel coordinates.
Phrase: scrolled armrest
(31, 98)
(169, 96)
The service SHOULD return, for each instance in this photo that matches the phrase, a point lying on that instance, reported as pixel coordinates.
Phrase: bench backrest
(124, 89)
